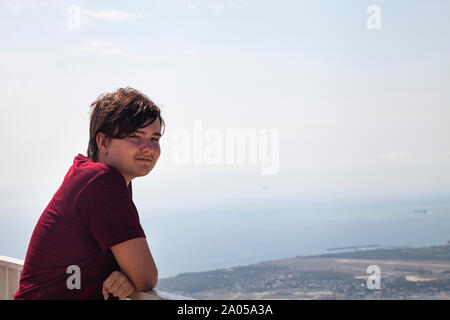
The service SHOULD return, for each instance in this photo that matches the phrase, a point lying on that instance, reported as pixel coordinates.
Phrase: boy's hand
(118, 285)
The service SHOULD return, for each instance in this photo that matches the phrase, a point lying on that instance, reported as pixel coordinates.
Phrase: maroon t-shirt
(91, 211)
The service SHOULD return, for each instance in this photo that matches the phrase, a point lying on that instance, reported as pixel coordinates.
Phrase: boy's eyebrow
(154, 134)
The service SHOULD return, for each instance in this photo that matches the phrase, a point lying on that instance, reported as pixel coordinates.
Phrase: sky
(353, 102)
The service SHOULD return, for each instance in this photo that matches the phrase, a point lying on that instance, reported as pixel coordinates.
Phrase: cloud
(9, 87)
(191, 53)
(18, 6)
(217, 7)
(111, 15)
(191, 6)
(14, 7)
(235, 5)
(99, 47)
(105, 48)
(78, 17)
(394, 155)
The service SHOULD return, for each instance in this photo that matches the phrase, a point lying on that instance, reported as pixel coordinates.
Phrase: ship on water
(420, 211)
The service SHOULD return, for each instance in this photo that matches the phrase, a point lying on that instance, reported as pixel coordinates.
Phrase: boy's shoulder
(86, 172)
(84, 166)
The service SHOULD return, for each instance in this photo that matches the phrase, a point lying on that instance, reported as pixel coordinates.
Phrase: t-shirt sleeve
(108, 211)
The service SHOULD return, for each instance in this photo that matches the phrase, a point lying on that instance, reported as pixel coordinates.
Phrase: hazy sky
(359, 111)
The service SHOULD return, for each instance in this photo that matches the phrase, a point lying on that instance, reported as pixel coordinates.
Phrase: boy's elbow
(154, 280)
(149, 284)
(153, 284)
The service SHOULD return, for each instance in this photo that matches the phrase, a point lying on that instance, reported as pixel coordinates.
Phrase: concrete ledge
(157, 295)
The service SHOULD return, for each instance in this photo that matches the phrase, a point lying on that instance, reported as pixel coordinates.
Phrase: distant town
(404, 273)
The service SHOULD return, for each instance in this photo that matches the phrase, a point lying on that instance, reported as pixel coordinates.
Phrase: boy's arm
(136, 261)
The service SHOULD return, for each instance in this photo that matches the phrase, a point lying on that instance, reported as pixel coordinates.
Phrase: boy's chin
(143, 173)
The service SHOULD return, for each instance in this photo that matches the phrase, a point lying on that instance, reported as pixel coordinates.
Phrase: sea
(242, 233)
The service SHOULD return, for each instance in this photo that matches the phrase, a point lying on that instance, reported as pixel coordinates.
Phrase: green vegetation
(284, 279)
(249, 279)
(217, 279)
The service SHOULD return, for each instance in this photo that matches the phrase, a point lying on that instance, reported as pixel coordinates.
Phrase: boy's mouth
(145, 159)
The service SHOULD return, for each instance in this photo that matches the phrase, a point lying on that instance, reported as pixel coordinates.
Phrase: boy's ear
(102, 142)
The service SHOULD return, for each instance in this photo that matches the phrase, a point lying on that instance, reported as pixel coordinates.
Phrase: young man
(88, 242)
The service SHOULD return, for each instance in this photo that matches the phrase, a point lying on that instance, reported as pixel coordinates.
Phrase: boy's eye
(137, 137)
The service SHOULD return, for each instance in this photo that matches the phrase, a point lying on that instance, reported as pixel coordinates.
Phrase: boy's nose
(149, 147)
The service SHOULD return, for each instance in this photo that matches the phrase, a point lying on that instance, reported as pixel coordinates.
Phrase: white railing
(156, 295)
(10, 269)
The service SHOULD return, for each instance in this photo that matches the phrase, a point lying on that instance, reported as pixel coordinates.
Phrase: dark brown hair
(118, 114)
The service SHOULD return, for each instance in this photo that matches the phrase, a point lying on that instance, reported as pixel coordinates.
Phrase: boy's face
(135, 155)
